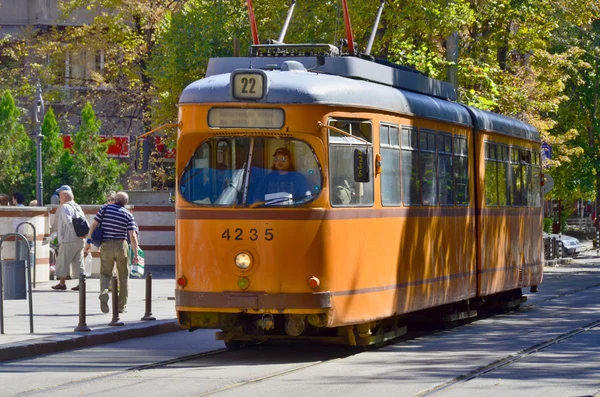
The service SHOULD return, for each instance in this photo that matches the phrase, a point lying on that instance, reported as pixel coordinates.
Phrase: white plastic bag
(137, 270)
(87, 265)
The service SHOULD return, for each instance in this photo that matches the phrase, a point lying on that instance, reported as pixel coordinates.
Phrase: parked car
(571, 246)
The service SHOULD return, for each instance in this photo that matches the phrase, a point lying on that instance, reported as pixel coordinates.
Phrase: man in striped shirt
(117, 223)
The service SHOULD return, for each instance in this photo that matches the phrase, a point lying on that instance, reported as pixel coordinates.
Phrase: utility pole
(39, 116)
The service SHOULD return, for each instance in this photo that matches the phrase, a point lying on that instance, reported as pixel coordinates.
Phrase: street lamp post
(39, 116)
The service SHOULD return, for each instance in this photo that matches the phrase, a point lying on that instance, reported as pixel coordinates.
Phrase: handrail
(17, 235)
(340, 131)
(162, 127)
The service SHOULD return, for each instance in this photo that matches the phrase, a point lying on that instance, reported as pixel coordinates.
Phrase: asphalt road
(551, 347)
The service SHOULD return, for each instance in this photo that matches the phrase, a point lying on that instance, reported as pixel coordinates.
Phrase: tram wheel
(233, 345)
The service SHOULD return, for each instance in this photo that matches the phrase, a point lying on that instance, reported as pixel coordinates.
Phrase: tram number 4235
(252, 234)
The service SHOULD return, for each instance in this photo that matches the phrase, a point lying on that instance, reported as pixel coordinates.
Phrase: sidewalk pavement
(587, 253)
(587, 249)
(56, 315)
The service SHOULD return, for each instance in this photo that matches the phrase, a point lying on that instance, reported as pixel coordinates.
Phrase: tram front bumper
(253, 300)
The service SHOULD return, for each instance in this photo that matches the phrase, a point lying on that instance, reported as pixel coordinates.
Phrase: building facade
(72, 71)
(18, 15)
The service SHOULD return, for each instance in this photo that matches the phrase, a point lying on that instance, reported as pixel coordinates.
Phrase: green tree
(125, 31)
(535, 60)
(90, 171)
(15, 150)
(174, 66)
(577, 167)
(55, 157)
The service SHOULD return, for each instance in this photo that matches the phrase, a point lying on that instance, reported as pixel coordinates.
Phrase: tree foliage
(15, 150)
(89, 171)
(535, 60)
(55, 157)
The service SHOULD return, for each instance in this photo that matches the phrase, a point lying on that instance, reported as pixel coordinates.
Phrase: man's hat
(64, 188)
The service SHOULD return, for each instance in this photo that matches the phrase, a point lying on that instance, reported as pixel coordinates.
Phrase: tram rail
(412, 334)
(333, 353)
(510, 359)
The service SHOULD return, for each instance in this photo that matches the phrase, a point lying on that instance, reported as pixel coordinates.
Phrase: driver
(283, 178)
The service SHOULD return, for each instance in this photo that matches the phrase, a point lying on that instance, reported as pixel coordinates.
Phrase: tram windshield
(255, 172)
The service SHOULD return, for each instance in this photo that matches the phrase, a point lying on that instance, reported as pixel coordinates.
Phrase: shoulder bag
(98, 232)
(80, 224)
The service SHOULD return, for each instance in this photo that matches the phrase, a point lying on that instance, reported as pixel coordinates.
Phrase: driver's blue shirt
(289, 182)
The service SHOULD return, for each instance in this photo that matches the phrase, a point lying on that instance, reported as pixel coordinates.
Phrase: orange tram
(325, 196)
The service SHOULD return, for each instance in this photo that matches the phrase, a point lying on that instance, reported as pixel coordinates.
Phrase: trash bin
(22, 252)
(13, 280)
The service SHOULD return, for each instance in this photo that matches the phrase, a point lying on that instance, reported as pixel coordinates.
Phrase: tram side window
(516, 177)
(491, 174)
(194, 183)
(208, 172)
(503, 172)
(389, 143)
(345, 190)
(427, 169)
(445, 172)
(410, 166)
(461, 170)
(536, 192)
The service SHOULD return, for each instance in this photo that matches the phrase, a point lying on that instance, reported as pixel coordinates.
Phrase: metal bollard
(115, 302)
(82, 327)
(559, 250)
(148, 315)
(598, 240)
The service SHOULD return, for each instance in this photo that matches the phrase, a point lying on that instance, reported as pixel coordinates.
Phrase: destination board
(246, 118)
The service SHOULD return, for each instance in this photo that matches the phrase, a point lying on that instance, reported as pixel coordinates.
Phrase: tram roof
(389, 74)
(365, 85)
(493, 122)
(303, 87)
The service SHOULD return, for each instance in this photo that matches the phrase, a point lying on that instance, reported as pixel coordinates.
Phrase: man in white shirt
(70, 251)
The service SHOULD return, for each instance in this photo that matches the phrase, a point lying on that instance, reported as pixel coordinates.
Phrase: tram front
(249, 212)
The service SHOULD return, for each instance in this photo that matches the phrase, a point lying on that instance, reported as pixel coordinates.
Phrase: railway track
(512, 358)
(480, 371)
(315, 356)
(467, 376)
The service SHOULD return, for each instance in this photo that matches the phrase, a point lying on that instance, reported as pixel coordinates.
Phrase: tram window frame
(491, 174)
(445, 158)
(525, 155)
(362, 193)
(536, 171)
(516, 177)
(428, 165)
(391, 153)
(410, 166)
(503, 170)
(461, 160)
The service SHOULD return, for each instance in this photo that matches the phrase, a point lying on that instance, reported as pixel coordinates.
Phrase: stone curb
(53, 344)
(558, 262)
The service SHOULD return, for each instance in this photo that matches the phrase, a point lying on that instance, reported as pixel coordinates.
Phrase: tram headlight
(243, 260)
